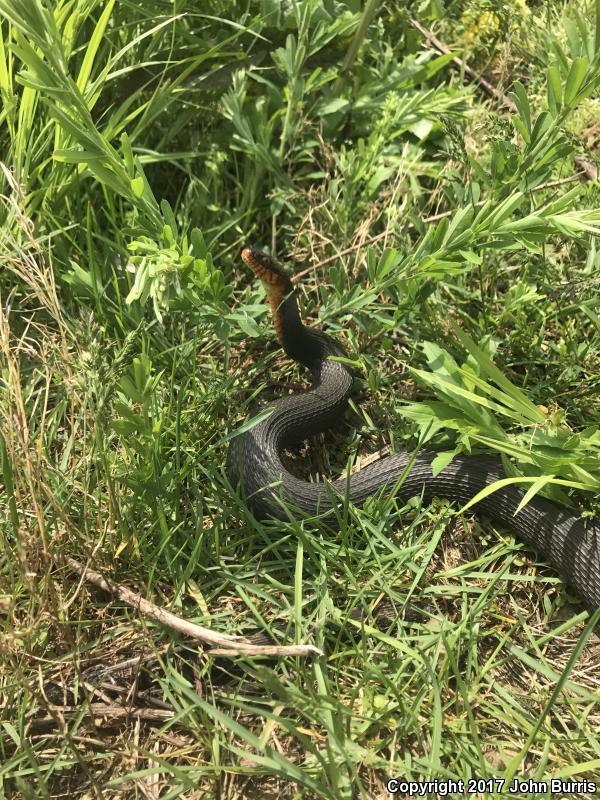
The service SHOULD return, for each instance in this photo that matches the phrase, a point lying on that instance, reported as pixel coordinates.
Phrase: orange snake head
(277, 284)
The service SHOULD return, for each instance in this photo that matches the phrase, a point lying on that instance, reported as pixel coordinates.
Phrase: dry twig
(103, 713)
(487, 87)
(227, 645)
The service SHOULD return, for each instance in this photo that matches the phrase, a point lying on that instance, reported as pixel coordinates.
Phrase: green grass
(143, 146)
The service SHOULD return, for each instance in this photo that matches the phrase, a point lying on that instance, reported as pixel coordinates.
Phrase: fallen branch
(487, 87)
(227, 644)
(266, 650)
(348, 251)
(103, 713)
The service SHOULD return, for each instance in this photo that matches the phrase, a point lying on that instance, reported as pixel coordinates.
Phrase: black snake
(564, 539)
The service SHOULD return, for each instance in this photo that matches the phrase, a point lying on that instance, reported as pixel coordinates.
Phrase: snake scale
(564, 539)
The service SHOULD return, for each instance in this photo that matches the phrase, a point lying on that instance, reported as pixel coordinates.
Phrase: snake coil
(254, 461)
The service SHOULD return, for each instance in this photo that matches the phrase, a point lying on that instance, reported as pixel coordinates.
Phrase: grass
(142, 146)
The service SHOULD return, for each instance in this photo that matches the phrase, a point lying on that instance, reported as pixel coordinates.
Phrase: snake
(569, 542)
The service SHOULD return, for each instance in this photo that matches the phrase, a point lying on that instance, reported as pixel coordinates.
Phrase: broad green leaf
(519, 95)
(500, 484)
(531, 221)
(250, 423)
(517, 122)
(575, 223)
(441, 461)
(137, 185)
(561, 203)
(541, 127)
(490, 370)
(75, 156)
(92, 47)
(505, 209)
(389, 259)
(333, 106)
(575, 78)
(38, 72)
(432, 416)
(554, 88)
(461, 221)
(535, 487)
(127, 153)
(440, 361)
(470, 257)
(74, 129)
(449, 388)
(513, 408)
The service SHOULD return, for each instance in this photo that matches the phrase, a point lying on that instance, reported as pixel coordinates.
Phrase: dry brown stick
(428, 220)
(487, 87)
(265, 650)
(227, 644)
(103, 711)
(341, 254)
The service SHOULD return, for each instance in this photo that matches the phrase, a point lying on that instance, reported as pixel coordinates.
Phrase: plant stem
(361, 32)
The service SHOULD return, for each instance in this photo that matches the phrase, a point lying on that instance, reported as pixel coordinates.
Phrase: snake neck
(302, 344)
(331, 381)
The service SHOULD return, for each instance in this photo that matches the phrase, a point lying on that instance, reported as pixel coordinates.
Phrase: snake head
(279, 288)
(305, 345)
(267, 269)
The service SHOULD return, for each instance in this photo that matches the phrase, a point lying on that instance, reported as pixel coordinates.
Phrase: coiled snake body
(561, 536)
